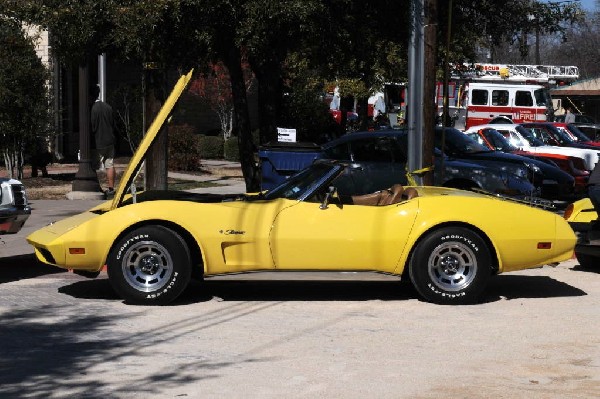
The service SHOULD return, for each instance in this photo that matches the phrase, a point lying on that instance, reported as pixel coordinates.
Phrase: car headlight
(519, 170)
(533, 168)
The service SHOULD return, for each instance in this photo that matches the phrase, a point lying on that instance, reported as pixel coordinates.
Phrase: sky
(588, 5)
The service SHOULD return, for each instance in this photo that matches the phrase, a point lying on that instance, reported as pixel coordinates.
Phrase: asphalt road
(536, 334)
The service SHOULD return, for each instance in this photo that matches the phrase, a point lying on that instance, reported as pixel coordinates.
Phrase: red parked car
(575, 133)
(495, 140)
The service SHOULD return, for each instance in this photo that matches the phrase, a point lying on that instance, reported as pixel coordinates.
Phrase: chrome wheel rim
(147, 266)
(452, 266)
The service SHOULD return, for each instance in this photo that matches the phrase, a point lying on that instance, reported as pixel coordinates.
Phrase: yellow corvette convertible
(448, 242)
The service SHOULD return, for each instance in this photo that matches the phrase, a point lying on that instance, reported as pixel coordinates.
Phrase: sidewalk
(227, 185)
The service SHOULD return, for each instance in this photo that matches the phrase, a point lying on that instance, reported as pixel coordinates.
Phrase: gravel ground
(535, 335)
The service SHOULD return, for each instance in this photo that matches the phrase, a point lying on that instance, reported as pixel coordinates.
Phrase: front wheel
(451, 266)
(149, 266)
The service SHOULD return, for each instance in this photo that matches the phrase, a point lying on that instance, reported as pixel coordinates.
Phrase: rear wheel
(149, 266)
(451, 266)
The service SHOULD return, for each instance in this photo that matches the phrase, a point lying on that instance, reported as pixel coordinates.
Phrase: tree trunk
(362, 111)
(156, 160)
(270, 93)
(241, 120)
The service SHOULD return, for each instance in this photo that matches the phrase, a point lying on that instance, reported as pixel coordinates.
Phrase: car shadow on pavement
(297, 290)
(503, 287)
(579, 268)
(19, 267)
(98, 288)
(261, 290)
(507, 287)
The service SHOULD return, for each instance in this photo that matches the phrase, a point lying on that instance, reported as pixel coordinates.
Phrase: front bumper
(13, 218)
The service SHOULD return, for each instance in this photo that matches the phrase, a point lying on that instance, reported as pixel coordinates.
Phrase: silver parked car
(14, 208)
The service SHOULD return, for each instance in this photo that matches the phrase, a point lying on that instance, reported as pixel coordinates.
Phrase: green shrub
(184, 148)
(232, 150)
(211, 147)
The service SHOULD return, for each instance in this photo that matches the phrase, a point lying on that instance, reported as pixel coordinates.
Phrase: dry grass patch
(60, 181)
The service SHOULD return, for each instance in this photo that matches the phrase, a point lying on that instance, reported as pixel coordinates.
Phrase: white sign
(286, 135)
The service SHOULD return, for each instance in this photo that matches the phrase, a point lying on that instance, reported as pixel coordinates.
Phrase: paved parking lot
(331, 335)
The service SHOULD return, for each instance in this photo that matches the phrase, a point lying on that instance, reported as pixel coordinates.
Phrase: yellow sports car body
(448, 242)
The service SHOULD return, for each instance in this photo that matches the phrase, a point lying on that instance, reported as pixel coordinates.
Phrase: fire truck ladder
(516, 73)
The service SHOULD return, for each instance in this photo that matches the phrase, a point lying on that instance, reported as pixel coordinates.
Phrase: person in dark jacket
(103, 129)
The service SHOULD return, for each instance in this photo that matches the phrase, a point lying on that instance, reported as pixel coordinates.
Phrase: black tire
(451, 266)
(149, 266)
(587, 261)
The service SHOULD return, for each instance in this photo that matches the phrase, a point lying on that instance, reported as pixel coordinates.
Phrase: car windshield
(304, 182)
(499, 142)
(581, 136)
(457, 143)
(529, 136)
(561, 137)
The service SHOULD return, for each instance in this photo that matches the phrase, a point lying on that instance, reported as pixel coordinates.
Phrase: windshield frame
(302, 185)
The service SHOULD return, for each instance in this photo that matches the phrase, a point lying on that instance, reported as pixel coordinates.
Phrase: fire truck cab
(519, 102)
(478, 93)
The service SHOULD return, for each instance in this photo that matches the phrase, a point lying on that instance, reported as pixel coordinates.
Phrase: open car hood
(163, 116)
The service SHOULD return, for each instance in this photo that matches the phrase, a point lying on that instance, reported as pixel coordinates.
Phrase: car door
(341, 237)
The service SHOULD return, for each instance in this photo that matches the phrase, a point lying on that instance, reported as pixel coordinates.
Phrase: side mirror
(331, 193)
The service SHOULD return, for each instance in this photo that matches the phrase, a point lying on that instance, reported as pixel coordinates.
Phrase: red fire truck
(478, 93)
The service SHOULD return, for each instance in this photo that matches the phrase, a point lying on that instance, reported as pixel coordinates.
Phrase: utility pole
(429, 79)
(414, 99)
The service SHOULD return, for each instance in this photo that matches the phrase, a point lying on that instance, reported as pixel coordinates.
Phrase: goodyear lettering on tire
(126, 243)
(461, 238)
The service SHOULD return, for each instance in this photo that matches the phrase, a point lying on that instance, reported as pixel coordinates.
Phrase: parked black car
(382, 156)
(553, 182)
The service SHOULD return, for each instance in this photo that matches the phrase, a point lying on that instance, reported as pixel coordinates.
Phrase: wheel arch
(493, 253)
(193, 246)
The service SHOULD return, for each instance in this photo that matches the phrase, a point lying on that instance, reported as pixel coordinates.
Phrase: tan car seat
(390, 196)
